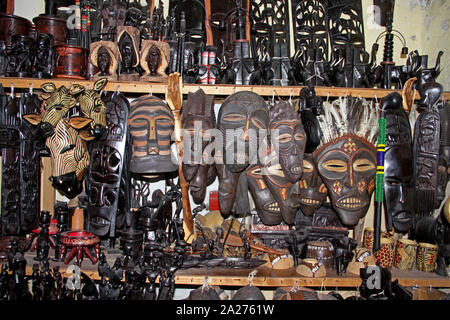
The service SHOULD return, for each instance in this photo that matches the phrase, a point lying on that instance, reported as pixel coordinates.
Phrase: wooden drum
(323, 251)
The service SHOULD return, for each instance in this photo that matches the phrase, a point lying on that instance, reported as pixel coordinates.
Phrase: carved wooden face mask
(239, 113)
(265, 204)
(151, 124)
(312, 191)
(282, 162)
(398, 187)
(69, 155)
(346, 160)
(241, 117)
(290, 138)
(348, 166)
(106, 167)
(198, 112)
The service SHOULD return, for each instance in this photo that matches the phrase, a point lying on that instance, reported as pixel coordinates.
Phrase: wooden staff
(174, 99)
(209, 35)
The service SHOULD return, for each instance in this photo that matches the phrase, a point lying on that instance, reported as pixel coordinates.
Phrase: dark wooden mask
(398, 186)
(347, 166)
(106, 167)
(198, 119)
(245, 116)
(312, 191)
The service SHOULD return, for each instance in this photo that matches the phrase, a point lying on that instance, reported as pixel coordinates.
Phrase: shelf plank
(212, 89)
(264, 277)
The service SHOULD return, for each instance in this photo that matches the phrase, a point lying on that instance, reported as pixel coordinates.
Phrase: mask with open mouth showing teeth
(265, 204)
(346, 160)
(242, 121)
(103, 183)
(198, 118)
(312, 191)
(282, 161)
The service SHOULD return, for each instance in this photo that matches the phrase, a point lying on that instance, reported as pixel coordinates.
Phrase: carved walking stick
(174, 99)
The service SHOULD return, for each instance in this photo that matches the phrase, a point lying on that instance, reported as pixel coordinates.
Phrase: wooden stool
(79, 242)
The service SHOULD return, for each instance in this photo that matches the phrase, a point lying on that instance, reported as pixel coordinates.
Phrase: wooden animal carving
(69, 155)
(92, 106)
(57, 102)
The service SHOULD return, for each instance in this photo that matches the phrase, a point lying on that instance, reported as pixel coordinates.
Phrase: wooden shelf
(265, 277)
(217, 90)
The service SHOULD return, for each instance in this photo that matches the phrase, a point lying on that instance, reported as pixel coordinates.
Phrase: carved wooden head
(69, 155)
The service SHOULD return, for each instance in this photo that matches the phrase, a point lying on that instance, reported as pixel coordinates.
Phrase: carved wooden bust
(154, 60)
(105, 57)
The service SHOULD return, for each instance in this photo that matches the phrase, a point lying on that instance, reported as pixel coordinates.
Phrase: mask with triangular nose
(151, 125)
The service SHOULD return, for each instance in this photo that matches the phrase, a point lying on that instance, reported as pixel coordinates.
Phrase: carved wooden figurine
(154, 60)
(105, 56)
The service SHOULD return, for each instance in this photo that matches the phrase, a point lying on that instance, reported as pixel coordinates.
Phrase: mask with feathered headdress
(347, 157)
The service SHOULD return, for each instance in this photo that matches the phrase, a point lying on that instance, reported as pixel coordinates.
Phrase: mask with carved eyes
(241, 118)
(312, 190)
(151, 125)
(265, 204)
(103, 183)
(198, 119)
(398, 186)
(288, 139)
(426, 161)
(242, 122)
(347, 166)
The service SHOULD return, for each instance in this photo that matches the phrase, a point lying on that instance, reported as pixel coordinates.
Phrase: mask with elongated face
(151, 125)
(312, 191)
(346, 160)
(426, 149)
(198, 119)
(106, 167)
(398, 186)
(242, 121)
(282, 161)
(444, 155)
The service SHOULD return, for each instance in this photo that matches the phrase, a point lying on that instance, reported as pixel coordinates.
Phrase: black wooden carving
(310, 18)
(106, 167)
(345, 23)
(270, 19)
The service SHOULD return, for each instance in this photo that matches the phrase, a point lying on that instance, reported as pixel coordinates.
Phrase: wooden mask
(426, 149)
(312, 191)
(347, 160)
(198, 112)
(245, 116)
(57, 102)
(103, 183)
(398, 186)
(92, 105)
(69, 155)
(151, 125)
(444, 155)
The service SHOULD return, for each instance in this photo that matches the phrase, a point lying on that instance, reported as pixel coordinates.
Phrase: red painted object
(79, 243)
(214, 201)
